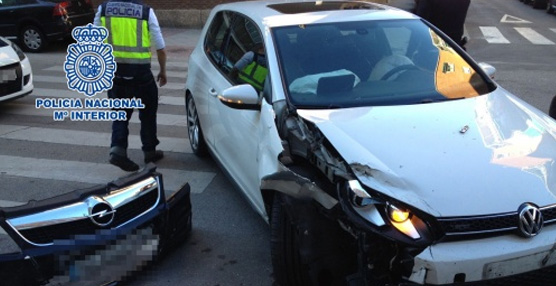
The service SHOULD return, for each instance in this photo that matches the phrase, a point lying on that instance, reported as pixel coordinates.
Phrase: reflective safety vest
(127, 23)
(254, 74)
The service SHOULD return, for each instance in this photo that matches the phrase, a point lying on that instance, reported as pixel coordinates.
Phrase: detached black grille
(10, 79)
(124, 214)
(488, 225)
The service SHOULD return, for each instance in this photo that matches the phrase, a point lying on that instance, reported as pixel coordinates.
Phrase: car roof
(287, 12)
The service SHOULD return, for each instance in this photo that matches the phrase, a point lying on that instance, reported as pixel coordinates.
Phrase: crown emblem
(90, 64)
(89, 34)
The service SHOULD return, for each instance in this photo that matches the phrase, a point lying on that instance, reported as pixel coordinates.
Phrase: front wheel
(195, 133)
(308, 249)
(32, 39)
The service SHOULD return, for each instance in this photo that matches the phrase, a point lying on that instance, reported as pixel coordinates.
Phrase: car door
(8, 18)
(239, 134)
(207, 73)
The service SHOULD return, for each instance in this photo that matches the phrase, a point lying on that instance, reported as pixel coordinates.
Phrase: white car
(377, 149)
(16, 79)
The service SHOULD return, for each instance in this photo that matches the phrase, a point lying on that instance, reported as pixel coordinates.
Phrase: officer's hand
(161, 79)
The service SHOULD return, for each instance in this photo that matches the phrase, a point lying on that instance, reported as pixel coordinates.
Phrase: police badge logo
(90, 64)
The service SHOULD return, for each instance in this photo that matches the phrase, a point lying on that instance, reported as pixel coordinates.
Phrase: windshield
(389, 62)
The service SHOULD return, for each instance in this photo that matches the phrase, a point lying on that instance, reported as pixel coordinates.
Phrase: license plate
(8, 75)
(112, 263)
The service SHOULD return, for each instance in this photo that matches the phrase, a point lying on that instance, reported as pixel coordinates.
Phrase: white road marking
(513, 19)
(65, 93)
(26, 109)
(85, 138)
(63, 80)
(493, 35)
(169, 73)
(95, 173)
(553, 30)
(533, 36)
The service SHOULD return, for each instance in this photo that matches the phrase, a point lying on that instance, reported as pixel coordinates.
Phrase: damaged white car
(378, 150)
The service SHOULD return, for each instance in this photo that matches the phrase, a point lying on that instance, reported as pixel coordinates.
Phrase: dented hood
(474, 156)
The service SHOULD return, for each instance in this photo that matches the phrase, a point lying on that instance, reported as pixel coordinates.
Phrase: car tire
(32, 39)
(307, 249)
(552, 109)
(194, 131)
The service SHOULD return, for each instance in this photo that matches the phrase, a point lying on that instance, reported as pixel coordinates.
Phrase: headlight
(396, 214)
(400, 218)
(7, 244)
(381, 212)
(18, 51)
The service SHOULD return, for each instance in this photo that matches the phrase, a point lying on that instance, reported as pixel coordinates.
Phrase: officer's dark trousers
(141, 86)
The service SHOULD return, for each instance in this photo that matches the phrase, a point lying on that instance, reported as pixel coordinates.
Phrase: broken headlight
(386, 216)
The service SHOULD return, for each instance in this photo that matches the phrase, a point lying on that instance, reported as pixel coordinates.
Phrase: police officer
(132, 27)
(251, 67)
(447, 15)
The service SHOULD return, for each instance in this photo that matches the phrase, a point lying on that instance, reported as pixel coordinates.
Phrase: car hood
(474, 156)
(7, 56)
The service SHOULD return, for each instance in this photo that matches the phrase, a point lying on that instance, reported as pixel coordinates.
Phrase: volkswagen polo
(378, 150)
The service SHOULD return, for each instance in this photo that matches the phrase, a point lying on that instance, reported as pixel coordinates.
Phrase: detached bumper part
(130, 222)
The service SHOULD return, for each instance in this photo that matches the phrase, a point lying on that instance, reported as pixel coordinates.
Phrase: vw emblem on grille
(530, 220)
(101, 212)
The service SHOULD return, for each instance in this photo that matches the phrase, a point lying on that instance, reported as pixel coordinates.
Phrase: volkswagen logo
(101, 212)
(530, 220)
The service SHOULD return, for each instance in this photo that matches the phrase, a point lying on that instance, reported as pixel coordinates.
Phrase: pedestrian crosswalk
(509, 35)
(22, 124)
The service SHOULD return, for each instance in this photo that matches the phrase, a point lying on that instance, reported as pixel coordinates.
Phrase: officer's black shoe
(124, 163)
(153, 156)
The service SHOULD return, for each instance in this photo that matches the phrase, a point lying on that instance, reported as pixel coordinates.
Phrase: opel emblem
(530, 220)
(101, 212)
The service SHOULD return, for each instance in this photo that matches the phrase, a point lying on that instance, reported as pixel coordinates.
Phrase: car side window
(231, 37)
(215, 40)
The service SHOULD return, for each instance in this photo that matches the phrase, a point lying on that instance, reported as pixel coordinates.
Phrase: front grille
(489, 224)
(10, 79)
(124, 214)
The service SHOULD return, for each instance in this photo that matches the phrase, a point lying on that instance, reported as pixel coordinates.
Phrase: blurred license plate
(112, 263)
(8, 75)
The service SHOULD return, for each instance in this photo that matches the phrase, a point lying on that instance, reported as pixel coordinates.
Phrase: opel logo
(530, 220)
(101, 212)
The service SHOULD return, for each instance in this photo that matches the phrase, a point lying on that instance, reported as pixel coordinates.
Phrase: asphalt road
(229, 245)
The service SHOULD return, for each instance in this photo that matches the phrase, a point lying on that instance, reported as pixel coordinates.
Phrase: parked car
(540, 4)
(16, 76)
(94, 236)
(36, 22)
(378, 150)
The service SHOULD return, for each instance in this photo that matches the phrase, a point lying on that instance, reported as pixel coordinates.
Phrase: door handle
(213, 92)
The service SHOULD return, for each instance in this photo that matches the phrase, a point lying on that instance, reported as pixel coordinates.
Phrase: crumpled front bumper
(93, 254)
(486, 259)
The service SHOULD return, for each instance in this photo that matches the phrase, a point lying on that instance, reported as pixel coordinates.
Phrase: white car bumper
(483, 259)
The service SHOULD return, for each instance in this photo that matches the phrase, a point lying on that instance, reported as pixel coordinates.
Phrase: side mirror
(489, 70)
(242, 96)
(552, 110)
